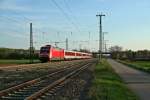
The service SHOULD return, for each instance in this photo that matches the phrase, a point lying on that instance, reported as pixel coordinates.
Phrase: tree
(130, 54)
(84, 50)
(9, 53)
(115, 51)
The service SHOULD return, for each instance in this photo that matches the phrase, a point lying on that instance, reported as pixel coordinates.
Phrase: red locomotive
(48, 53)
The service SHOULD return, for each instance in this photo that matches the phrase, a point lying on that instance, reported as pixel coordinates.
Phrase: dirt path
(137, 81)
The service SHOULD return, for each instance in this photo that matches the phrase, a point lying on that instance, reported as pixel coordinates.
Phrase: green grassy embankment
(107, 85)
(141, 65)
(25, 61)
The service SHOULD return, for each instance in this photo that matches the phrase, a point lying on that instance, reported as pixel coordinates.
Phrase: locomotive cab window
(44, 49)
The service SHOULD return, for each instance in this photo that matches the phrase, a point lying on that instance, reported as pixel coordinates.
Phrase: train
(51, 53)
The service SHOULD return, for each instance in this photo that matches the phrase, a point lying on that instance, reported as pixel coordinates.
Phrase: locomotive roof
(52, 47)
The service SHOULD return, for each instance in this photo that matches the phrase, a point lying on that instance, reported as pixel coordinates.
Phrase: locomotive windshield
(44, 49)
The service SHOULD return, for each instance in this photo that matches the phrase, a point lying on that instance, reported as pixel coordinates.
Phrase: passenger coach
(48, 53)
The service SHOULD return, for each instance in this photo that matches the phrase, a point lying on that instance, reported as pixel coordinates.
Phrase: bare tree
(115, 48)
(115, 51)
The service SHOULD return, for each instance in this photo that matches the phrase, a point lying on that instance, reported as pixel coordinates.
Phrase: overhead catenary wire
(11, 29)
(66, 15)
(24, 17)
(11, 19)
(70, 11)
(17, 22)
(67, 6)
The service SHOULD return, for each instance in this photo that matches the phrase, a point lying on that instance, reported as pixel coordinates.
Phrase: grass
(141, 65)
(107, 85)
(11, 61)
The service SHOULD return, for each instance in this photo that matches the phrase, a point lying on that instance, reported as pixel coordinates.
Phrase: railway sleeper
(49, 93)
(53, 92)
(11, 98)
(18, 95)
(27, 90)
(23, 93)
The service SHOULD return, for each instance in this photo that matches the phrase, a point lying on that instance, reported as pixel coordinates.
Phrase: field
(107, 85)
(11, 61)
(141, 65)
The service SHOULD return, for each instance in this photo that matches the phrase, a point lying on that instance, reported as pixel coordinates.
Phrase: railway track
(25, 74)
(43, 86)
(32, 66)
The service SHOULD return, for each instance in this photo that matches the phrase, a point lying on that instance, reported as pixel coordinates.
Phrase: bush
(6, 53)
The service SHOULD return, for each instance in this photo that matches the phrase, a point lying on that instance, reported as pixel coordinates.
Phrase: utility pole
(105, 47)
(66, 43)
(80, 47)
(31, 44)
(103, 41)
(89, 41)
(100, 35)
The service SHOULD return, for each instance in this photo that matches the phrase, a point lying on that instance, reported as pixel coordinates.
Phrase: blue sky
(127, 23)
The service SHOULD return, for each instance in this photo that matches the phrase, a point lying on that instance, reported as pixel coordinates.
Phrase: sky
(127, 23)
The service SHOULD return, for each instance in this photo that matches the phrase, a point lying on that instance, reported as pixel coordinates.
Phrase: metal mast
(100, 35)
(31, 44)
(66, 43)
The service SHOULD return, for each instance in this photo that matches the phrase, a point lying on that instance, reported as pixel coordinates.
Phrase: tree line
(9, 53)
(118, 53)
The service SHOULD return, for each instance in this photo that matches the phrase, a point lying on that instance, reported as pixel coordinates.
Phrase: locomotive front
(44, 53)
